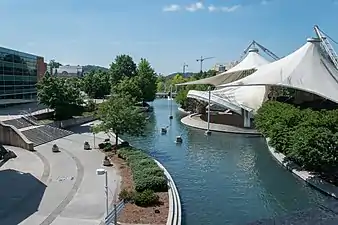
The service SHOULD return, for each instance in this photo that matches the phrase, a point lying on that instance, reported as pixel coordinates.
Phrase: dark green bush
(146, 173)
(315, 148)
(155, 183)
(306, 136)
(146, 198)
(126, 195)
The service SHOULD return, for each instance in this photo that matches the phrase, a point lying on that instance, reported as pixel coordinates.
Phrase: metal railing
(111, 218)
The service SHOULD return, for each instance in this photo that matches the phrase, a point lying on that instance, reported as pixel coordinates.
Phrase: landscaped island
(144, 187)
(305, 136)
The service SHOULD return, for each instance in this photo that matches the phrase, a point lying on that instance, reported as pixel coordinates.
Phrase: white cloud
(228, 9)
(194, 7)
(212, 8)
(172, 8)
(231, 8)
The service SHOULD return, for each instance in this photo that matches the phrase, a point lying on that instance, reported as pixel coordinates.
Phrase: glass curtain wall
(18, 75)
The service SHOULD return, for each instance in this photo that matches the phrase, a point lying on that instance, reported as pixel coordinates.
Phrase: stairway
(19, 123)
(45, 134)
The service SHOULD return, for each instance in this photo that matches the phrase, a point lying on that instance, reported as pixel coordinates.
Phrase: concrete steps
(44, 134)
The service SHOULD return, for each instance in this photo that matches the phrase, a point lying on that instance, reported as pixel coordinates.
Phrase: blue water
(222, 178)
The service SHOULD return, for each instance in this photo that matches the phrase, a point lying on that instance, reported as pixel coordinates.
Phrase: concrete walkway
(68, 189)
(195, 121)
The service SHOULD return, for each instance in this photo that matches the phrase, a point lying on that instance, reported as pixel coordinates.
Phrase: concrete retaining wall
(175, 209)
(72, 122)
(227, 119)
(10, 135)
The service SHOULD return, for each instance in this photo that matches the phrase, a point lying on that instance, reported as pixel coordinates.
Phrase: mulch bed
(135, 214)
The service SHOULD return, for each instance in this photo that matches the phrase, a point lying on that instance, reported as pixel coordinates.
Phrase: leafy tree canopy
(147, 80)
(129, 86)
(54, 64)
(96, 84)
(61, 94)
(122, 67)
(120, 116)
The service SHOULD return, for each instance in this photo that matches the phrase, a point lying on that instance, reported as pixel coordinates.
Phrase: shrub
(146, 173)
(315, 148)
(306, 136)
(151, 182)
(90, 106)
(126, 195)
(146, 198)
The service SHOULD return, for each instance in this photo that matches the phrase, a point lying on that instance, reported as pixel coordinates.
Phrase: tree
(147, 80)
(129, 86)
(160, 86)
(62, 95)
(120, 116)
(122, 67)
(96, 84)
(53, 64)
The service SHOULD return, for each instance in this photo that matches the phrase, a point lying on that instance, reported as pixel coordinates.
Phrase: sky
(168, 33)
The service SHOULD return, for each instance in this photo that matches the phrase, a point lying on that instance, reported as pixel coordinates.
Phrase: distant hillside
(188, 74)
(89, 68)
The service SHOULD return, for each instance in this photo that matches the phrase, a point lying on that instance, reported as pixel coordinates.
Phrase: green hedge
(308, 137)
(147, 175)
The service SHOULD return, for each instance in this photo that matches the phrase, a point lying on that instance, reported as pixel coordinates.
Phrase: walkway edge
(307, 176)
(175, 208)
(189, 121)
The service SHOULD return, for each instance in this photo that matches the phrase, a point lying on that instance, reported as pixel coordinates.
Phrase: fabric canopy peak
(247, 66)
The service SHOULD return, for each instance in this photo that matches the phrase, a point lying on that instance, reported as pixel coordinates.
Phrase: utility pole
(201, 62)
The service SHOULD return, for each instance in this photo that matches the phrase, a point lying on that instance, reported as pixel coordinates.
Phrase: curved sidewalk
(195, 121)
(307, 176)
(68, 191)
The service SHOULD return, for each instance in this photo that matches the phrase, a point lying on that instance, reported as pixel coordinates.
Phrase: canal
(222, 178)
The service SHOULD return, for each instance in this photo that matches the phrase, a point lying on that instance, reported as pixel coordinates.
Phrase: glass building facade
(18, 74)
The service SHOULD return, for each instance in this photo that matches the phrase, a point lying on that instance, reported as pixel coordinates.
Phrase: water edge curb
(308, 177)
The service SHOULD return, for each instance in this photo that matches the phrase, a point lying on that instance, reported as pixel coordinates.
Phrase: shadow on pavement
(20, 196)
(80, 129)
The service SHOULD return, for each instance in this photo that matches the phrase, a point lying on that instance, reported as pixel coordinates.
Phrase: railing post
(115, 215)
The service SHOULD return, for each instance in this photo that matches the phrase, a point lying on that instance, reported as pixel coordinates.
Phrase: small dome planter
(106, 161)
(86, 146)
(55, 148)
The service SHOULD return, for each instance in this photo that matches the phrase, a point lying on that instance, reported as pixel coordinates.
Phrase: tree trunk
(116, 141)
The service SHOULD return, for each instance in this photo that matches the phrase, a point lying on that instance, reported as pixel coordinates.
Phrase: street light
(101, 172)
(171, 102)
(208, 132)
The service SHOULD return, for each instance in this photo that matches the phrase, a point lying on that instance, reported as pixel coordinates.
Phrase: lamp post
(101, 172)
(171, 102)
(208, 132)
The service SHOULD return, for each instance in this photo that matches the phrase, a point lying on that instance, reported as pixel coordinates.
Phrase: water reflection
(222, 178)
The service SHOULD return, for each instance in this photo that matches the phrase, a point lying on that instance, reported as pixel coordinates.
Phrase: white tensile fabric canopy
(305, 69)
(246, 67)
(237, 98)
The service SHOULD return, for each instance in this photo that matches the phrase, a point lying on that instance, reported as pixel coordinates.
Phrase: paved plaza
(42, 188)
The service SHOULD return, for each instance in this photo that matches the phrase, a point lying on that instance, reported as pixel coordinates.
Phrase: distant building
(219, 68)
(19, 74)
(224, 67)
(67, 71)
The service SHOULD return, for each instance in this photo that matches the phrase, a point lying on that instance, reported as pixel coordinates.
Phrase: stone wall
(9, 135)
